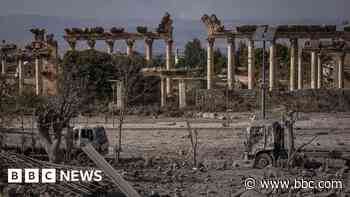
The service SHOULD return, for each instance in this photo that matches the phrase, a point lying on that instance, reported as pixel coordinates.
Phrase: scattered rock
(243, 164)
(215, 164)
(252, 193)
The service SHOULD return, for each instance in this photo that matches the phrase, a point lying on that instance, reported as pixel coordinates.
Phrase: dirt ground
(220, 147)
(157, 158)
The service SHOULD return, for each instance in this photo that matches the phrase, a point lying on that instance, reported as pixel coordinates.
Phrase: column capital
(130, 42)
(251, 42)
(230, 40)
(211, 41)
(169, 41)
(20, 54)
(91, 43)
(72, 44)
(149, 41)
(110, 45)
(37, 55)
(294, 42)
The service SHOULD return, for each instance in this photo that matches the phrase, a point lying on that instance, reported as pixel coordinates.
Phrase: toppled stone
(215, 164)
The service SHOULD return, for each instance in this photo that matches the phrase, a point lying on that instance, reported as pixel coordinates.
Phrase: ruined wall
(323, 100)
(220, 100)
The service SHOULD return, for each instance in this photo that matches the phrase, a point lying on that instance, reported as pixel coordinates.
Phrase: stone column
(120, 94)
(313, 70)
(129, 47)
(319, 71)
(210, 63)
(169, 63)
(340, 71)
(20, 76)
(110, 46)
(182, 94)
(91, 44)
(251, 64)
(3, 65)
(37, 76)
(293, 54)
(72, 45)
(300, 68)
(231, 63)
(149, 48)
(163, 95)
(272, 73)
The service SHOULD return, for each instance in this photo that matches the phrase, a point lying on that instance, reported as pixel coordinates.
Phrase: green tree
(6, 101)
(283, 53)
(220, 61)
(242, 54)
(138, 88)
(95, 68)
(194, 55)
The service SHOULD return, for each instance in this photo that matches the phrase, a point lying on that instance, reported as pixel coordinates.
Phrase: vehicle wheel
(262, 160)
(82, 157)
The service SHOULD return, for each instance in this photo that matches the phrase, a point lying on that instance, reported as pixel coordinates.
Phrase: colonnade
(296, 66)
(38, 83)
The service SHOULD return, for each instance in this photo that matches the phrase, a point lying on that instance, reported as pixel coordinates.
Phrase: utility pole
(264, 33)
(118, 84)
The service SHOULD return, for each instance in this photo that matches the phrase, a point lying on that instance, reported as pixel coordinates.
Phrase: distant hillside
(15, 28)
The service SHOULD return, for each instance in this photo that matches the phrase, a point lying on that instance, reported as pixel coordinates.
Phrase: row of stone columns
(230, 63)
(231, 59)
(37, 76)
(166, 84)
(296, 68)
(110, 46)
(317, 71)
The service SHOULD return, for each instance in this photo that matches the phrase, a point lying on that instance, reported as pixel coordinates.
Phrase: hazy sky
(292, 10)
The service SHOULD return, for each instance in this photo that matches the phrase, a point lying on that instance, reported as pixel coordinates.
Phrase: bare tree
(128, 72)
(55, 112)
(6, 96)
(193, 136)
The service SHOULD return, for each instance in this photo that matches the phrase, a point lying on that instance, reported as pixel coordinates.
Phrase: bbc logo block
(48, 175)
(14, 175)
(31, 176)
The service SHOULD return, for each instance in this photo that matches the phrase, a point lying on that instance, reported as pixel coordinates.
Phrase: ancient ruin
(164, 31)
(294, 33)
(43, 51)
(196, 140)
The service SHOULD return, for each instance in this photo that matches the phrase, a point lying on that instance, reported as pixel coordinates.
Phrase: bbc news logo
(33, 175)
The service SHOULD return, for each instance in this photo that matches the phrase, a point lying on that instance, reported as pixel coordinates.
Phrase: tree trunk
(291, 147)
(52, 147)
